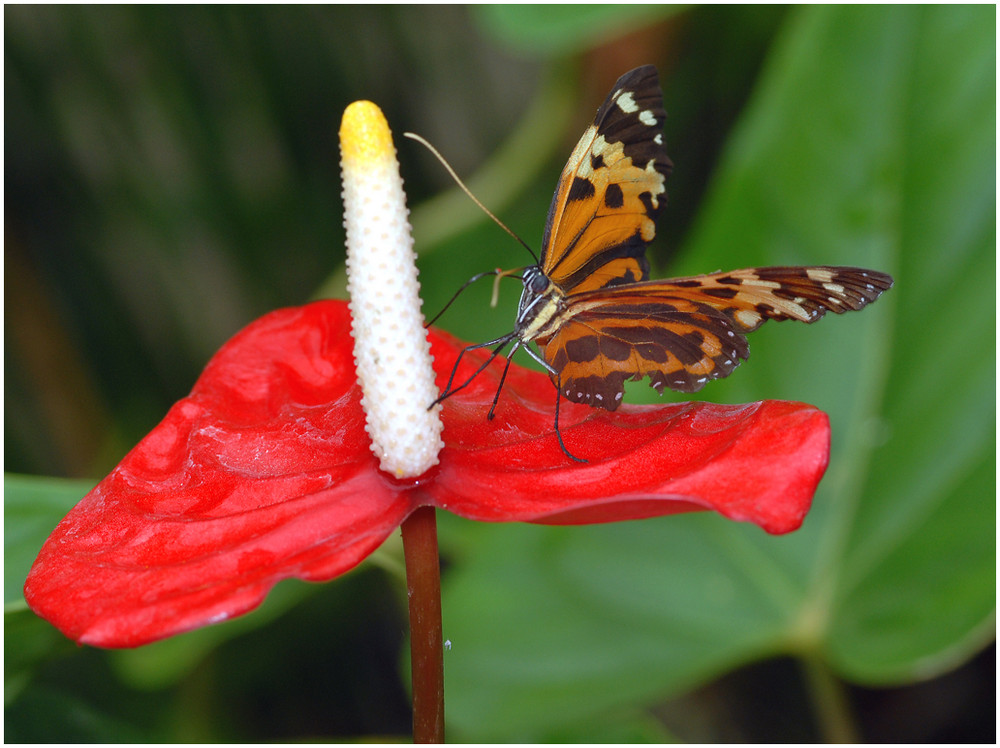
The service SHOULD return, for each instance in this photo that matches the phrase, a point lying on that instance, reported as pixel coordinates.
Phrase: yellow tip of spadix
(364, 134)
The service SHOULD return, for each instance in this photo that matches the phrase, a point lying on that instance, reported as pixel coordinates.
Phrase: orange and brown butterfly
(588, 304)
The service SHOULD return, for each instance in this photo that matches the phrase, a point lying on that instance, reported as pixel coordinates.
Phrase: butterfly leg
(559, 433)
(503, 378)
(558, 377)
(448, 391)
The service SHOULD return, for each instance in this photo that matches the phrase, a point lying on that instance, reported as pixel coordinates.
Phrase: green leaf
(44, 715)
(28, 642)
(32, 507)
(563, 29)
(168, 661)
(869, 141)
(627, 728)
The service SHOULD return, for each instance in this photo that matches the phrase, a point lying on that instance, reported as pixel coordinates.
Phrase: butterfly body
(541, 307)
(589, 306)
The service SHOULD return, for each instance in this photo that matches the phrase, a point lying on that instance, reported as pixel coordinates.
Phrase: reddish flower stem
(423, 586)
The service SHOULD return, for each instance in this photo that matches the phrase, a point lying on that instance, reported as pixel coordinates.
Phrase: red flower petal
(759, 462)
(264, 472)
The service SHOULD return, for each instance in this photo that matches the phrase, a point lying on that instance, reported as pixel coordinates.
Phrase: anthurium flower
(278, 464)
(265, 472)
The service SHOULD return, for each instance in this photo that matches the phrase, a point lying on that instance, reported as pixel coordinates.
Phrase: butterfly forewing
(604, 210)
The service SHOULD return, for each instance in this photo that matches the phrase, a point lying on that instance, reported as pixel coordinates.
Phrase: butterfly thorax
(539, 312)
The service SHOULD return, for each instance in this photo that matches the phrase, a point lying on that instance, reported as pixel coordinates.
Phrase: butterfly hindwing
(754, 295)
(685, 332)
(678, 343)
(604, 210)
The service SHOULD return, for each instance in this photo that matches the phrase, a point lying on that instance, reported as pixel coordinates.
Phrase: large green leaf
(560, 29)
(47, 716)
(32, 506)
(869, 141)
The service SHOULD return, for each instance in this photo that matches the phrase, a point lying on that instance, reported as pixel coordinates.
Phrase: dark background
(172, 173)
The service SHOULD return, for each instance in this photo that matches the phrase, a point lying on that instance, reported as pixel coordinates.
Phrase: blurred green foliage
(172, 173)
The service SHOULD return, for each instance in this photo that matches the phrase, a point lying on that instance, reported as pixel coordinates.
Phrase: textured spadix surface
(390, 347)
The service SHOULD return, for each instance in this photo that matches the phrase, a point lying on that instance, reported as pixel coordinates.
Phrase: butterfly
(588, 304)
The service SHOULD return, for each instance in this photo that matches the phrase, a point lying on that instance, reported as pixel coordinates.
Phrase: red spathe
(264, 472)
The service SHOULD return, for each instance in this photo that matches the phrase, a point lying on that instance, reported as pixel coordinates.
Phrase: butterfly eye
(535, 282)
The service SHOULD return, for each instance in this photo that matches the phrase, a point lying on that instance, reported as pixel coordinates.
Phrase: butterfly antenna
(467, 191)
(464, 286)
